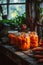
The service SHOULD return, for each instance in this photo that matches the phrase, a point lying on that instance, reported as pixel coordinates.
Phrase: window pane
(3, 1)
(41, 12)
(0, 16)
(41, 6)
(17, 1)
(33, 11)
(4, 7)
(0, 1)
(15, 10)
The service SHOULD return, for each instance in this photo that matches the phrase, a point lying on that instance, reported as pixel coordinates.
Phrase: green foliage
(16, 21)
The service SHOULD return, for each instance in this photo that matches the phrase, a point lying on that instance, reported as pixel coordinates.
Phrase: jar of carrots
(33, 39)
(24, 41)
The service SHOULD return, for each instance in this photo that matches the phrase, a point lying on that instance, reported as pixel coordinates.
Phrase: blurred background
(14, 13)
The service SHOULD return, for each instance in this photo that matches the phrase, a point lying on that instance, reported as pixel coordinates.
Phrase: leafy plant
(17, 21)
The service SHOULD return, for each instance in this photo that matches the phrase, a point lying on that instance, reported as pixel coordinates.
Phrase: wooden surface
(17, 56)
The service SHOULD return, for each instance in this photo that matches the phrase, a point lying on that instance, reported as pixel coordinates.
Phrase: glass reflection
(4, 7)
(3, 1)
(17, 1)
(15, 10)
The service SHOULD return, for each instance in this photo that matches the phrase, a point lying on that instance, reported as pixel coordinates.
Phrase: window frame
(8, 3)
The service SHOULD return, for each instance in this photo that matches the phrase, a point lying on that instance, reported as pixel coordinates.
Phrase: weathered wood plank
(12, 53)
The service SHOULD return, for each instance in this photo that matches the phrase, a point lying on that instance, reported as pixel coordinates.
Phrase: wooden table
(18, 57)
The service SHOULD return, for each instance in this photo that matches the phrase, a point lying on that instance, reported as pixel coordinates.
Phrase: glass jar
(33, 39)
(24, 41)
(41, 42)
